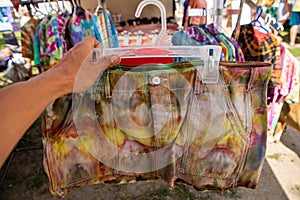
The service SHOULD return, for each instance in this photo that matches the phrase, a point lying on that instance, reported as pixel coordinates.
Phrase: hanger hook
(98, 7)
(162, 9)
(259, 11)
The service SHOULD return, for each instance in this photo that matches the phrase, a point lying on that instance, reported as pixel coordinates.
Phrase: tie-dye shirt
(80, 25)
(56, 45)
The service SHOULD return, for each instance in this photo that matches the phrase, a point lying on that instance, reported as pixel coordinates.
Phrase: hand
(78, 68)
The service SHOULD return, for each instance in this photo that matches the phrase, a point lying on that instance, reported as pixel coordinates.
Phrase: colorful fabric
(49, 44)
(208, 35)
(56, 46)
(227, 46)
(40, 58)
(59, 32)
(258, 46)
(27, 38)
(80, 25)
(111, 29)
(194, 36)
(288, 91)
(238, 50)
(95, 28)
(209, 135)
(273, 11)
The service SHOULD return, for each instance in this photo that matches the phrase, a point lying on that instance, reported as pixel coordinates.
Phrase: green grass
(163, 192)
(36, 179)
(275, 156)
(295, 51)
(183, 192)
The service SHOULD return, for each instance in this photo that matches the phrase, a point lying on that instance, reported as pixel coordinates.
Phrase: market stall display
(194, 105)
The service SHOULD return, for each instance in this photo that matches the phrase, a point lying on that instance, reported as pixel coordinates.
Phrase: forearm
(22, 103)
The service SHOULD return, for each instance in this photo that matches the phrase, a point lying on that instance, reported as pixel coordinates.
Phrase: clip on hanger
(162, 48)
(210, 74)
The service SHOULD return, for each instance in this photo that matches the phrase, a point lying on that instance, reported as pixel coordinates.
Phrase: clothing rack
(103, 3)
(27, 3)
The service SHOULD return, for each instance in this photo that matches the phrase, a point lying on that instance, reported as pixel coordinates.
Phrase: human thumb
(104, 61)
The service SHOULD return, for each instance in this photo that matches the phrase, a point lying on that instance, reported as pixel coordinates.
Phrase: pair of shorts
(295, 18)
(160, 122)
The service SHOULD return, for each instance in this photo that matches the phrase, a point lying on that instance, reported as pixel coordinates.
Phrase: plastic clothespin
(210, 55)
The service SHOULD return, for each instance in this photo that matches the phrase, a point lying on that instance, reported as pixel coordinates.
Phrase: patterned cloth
(207, 35)
(27, 38)
(40, 58)
(111, 29)
(49, 42)
(56, 46)
(161, 121)
(258, 46)
(57, 33)
(80, 25)
(194, 36)
(235, 52)
(287, 91)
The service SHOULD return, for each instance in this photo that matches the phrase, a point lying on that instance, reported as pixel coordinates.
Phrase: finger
(99, 46)
(91, 41)
(88, 43)
(107, 61)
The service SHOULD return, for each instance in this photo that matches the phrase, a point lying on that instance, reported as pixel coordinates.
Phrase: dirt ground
(26, 180)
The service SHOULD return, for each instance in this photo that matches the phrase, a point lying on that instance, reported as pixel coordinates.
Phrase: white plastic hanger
(98, 7)
(272, 21)
(210, 54)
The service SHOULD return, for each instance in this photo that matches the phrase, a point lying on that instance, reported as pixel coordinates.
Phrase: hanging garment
(194, 36)
(40, 41)
(207, 35)
(231, 46)
(160, 122)
(49, 43)
(265, 3)
(56, 46)
(287, 91)
(258, 46)
(111, 29)
(59, 32)
(80, 25)
(27, 38)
